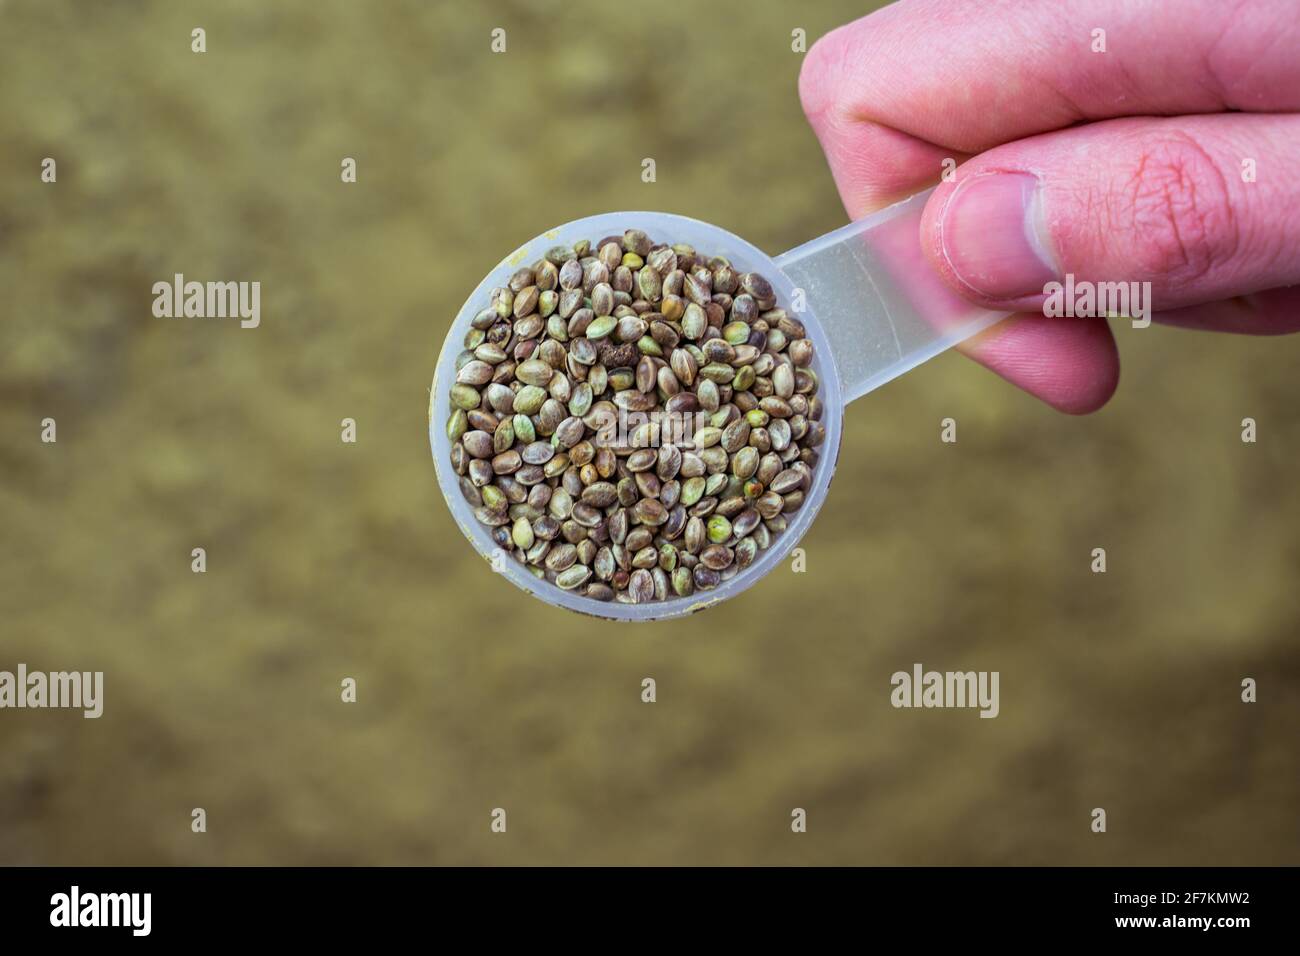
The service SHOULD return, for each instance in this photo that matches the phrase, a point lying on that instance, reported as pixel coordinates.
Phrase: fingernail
(993, 236)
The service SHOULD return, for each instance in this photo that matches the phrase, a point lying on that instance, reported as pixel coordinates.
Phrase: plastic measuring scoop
(870, 302)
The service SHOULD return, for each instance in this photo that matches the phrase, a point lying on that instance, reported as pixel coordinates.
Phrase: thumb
(1133, 200)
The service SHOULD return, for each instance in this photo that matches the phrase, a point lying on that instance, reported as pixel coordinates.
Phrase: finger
(1071, 364)
(1271, 312)
(875, 166)
(1136, 200)
(893, 94)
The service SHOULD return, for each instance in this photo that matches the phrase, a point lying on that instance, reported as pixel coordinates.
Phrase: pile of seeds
(660, 505)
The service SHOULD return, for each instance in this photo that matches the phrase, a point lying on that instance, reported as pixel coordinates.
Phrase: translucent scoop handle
(881, 304)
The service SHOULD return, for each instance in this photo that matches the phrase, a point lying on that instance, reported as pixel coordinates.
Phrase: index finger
(894, 94)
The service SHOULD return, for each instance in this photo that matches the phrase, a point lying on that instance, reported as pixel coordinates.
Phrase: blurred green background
(328, 560)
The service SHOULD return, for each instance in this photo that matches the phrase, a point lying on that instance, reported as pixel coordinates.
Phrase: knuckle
(813, 78)
(1177, 205)
(821, 74)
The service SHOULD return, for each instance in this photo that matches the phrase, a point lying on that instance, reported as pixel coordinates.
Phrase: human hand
(1124, 165)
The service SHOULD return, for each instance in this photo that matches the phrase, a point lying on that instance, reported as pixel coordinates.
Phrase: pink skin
(1145, 184)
